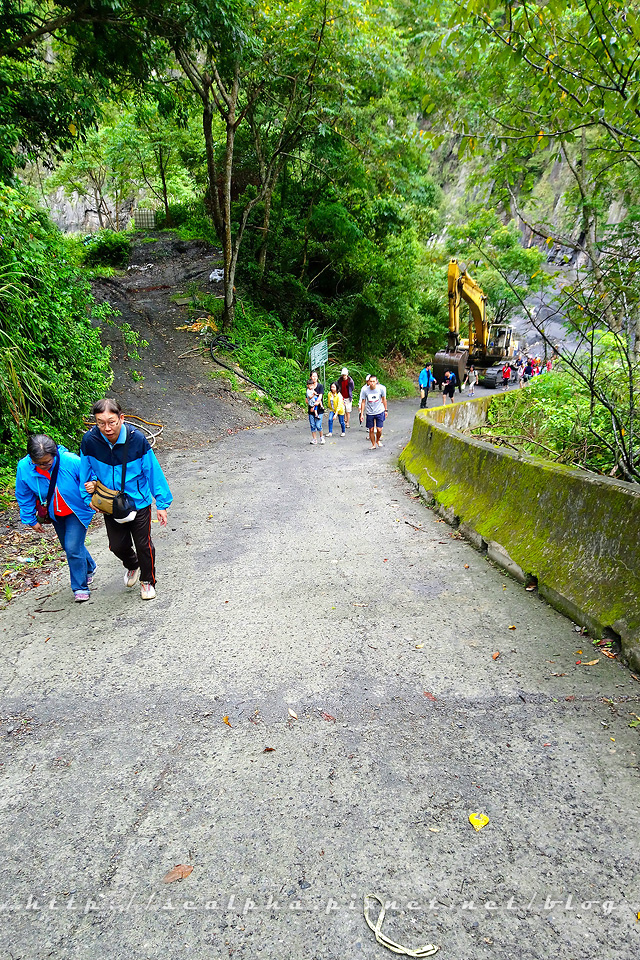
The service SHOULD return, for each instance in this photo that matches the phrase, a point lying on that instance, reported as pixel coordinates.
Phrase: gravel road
(348, 636)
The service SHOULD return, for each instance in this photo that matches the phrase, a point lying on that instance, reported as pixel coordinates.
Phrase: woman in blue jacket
(70, 514)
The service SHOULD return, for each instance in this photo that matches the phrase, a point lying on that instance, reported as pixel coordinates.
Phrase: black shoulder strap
(124, 459)
(54, 477)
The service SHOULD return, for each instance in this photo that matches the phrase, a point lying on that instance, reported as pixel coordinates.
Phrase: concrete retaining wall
(575, 534)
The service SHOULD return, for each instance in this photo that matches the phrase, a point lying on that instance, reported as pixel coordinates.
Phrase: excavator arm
(488, 343)
(464, 287)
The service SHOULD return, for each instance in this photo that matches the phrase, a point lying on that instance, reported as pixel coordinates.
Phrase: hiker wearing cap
(104, 450)
(345, 387)
(48, 491)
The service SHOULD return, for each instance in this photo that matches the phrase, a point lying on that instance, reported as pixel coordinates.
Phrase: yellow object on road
(478, 820)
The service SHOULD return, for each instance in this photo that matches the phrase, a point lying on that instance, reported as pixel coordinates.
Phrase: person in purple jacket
(67, 509)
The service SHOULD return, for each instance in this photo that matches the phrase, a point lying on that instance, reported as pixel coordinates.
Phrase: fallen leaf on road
(419, 646)
(180, 872)
(327, 716)
(579, 652)
(512, 627)
(226, 720)
(570, 698)
(607, 653)
(434, 829)
(478, 820)
(429, 696)
(530, 588)
(268, 749)
(558, 674)
(495, 655)
(466, 566)
(590, 663)
(293, 715)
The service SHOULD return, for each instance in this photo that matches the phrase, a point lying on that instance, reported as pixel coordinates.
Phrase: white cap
(344, 372)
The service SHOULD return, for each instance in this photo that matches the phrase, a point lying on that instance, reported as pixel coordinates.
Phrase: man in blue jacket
(101, 458)
(426, 381)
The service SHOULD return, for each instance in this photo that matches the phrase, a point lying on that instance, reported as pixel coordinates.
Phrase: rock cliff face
(76, 213)
(463, 186)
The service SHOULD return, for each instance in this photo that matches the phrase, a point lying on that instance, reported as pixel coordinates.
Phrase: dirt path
(177, 390)
(293, 580)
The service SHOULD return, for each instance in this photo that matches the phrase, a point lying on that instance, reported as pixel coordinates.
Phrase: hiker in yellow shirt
(336, 409)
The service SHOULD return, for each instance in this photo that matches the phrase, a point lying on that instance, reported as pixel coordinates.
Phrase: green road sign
(319, 354)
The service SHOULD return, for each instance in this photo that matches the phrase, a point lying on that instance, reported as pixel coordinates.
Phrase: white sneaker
(313, 441)
(343, 434)
(147, 591)
(131, 577)
(321, 439)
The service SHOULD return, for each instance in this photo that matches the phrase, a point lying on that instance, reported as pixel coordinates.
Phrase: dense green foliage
(52, 364)
(61, 61)
(276, 358)
(553, 418)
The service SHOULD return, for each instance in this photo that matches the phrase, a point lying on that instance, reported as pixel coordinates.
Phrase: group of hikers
(524, 369)
(117, 474)
(427, 382)
(518, 371)
(372, 407)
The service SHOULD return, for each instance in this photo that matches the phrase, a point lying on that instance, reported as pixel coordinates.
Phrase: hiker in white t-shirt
(373, 403)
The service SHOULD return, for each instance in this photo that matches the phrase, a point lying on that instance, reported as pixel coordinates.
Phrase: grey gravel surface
(293, 580)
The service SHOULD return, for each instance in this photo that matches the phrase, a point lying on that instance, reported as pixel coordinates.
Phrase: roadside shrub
(107, 249)
(52, 362)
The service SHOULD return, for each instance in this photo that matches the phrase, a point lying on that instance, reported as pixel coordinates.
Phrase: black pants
(131, 542)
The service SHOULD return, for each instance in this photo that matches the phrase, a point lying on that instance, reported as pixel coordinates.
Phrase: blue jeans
(315, 423)
(71, 534)
(340, 417)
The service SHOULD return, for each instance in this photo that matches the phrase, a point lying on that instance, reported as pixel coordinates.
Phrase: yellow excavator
(487, 343)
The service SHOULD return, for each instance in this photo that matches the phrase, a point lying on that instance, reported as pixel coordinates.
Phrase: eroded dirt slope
(177, 390)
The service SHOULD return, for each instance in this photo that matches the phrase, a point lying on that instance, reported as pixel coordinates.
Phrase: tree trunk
(229, 261)
(262, 256)
(163, 177)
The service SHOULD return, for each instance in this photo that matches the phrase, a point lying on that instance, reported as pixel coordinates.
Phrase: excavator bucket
(453, 361)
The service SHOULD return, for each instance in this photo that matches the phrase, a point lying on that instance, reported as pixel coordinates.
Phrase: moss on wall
(574, 532)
